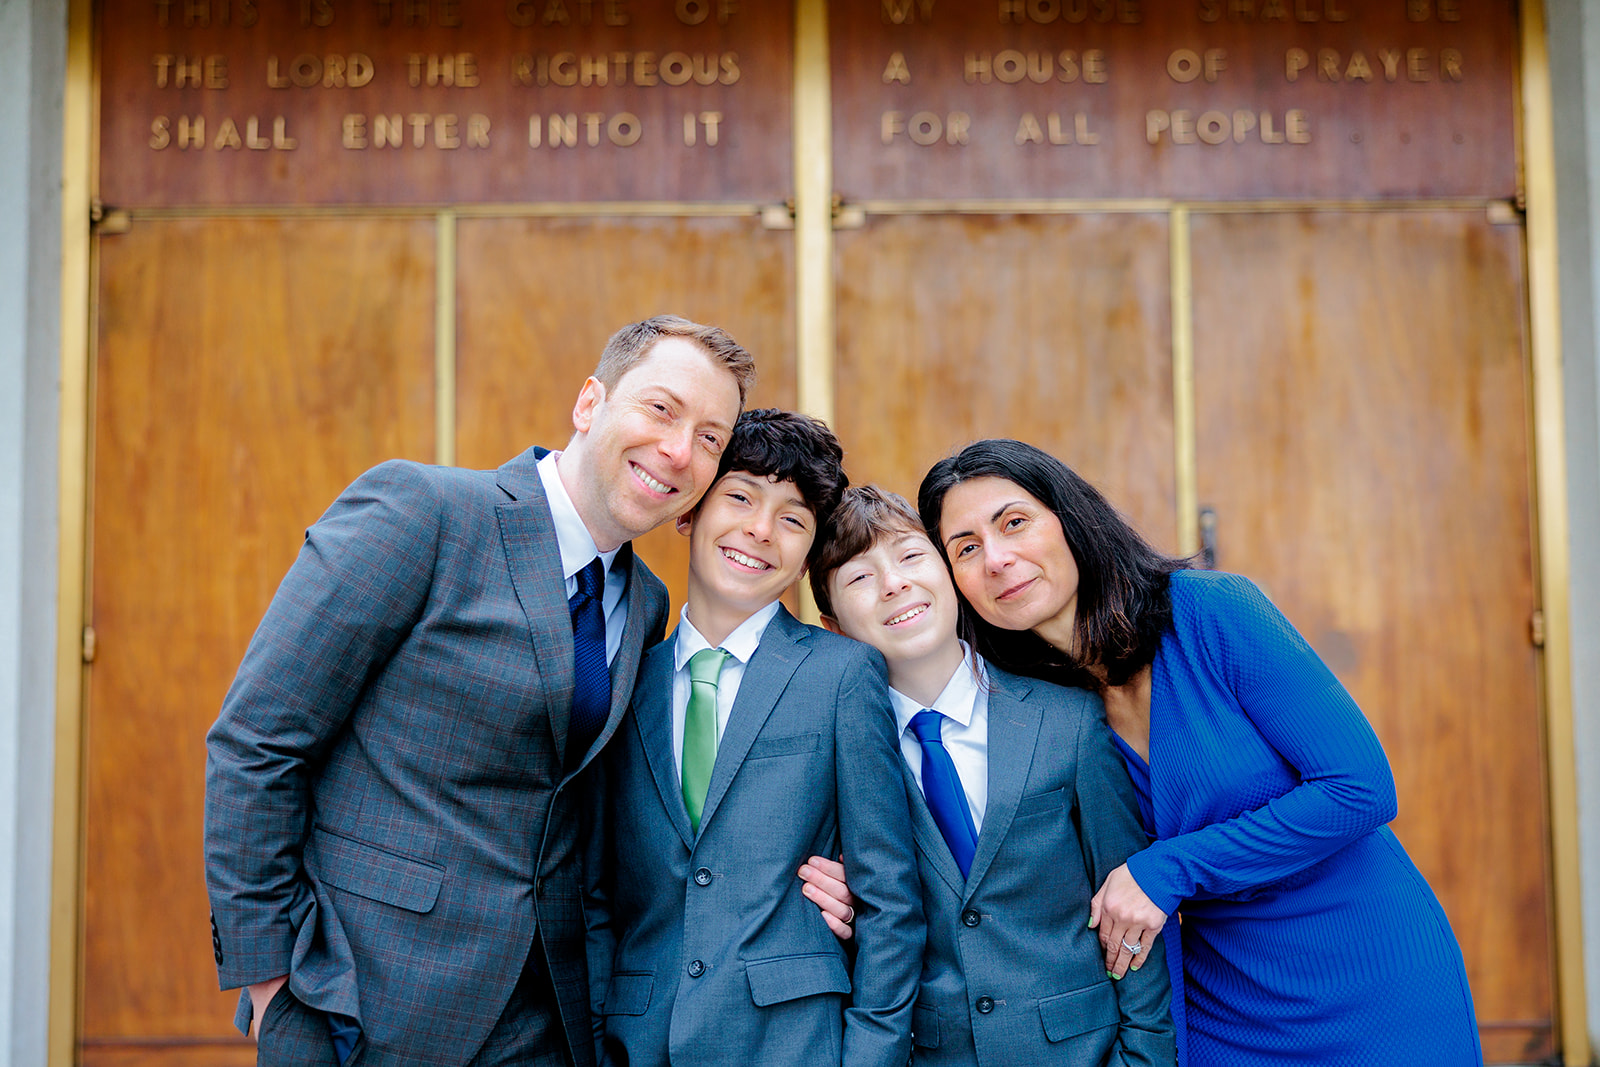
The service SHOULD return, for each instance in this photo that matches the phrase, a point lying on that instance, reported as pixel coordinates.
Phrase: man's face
(652, 443)
(747, 542)
(897, 597)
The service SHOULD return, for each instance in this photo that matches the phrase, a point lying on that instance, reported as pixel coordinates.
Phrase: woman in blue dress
(1307, 934)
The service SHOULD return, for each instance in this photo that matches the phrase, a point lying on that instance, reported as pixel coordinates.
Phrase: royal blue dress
(1308, 935)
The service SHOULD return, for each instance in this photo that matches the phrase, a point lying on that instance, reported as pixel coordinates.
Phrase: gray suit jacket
(1012, 974)
(389, 800)
(703, 949)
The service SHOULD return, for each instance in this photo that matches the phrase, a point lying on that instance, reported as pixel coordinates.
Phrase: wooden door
(1362, 437)
(537, 298)
(246, 371)
(1054, 329)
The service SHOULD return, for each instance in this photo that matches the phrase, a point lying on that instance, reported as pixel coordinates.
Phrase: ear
(832, 624)
(685, 522)
(590, 397)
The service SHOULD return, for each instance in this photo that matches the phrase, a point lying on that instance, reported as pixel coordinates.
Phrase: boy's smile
(897, 597)
(748, 542)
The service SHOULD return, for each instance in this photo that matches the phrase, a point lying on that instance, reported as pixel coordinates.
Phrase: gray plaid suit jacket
(703, 949)
(390, 811)
(1012, 973)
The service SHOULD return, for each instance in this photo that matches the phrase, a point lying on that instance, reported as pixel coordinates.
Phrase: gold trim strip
(813, 194)
(1051, 206)
(587, 209)
(1555, 572)
(66, 867)
(813, 224)
(444, 341)
(1186, 470)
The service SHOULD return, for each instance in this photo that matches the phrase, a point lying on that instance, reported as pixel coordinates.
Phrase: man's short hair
(633, 342)
(866, 515)
(788, 446)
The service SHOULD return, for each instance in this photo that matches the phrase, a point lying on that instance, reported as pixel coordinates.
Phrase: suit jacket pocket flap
(629, 994)
(782, 746)
(1080, 1011)
(1054, 800)
(781, 978)
(369, 871)
(925, 1026)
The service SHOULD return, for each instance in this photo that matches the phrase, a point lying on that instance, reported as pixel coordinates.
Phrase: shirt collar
(957, 700)
(572, 536)
(741, 643)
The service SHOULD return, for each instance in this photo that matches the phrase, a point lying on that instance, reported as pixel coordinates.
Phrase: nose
(677, 445)
(893, 584)
(759, 525)
(996, 556)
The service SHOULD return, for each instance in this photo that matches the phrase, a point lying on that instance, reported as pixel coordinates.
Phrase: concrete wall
(32, 69)
(1575, 71)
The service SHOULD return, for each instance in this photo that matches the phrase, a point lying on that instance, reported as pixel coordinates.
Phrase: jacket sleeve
(1109, 833)
(1345, 790)
(353, 594)
(875, 834)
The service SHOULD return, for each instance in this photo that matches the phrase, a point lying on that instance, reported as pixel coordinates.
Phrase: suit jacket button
(985, 1005)
(696, 968)
(970, 917)
(702, 876)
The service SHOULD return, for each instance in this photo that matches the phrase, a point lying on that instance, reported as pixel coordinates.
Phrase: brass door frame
(814, 220)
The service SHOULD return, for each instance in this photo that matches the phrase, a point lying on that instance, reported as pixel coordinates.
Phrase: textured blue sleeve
(1346, 788)
(358, 585)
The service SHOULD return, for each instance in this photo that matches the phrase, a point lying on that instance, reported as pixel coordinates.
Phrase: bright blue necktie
(941, 785)
(591, 693)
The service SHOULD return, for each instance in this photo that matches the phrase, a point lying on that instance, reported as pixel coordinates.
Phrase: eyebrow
(1003, 508)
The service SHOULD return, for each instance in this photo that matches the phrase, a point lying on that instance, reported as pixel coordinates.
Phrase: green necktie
(700, 730)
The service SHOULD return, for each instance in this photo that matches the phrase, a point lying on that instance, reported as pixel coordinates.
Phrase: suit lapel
(927, 835)
(780, 652)
(1014, 724)
(528, 535)
(652, 716)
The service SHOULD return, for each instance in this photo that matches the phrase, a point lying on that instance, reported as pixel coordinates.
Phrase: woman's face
(1010, 559)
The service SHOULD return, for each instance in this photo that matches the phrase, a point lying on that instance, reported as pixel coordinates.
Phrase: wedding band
(1134, 948)
(851, 918)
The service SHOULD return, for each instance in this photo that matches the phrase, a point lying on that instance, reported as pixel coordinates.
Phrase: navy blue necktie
(941, 785)
(591, 693)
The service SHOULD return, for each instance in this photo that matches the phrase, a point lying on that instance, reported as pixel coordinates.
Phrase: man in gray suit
(1020, 807)
(392, 838)
(754, 741)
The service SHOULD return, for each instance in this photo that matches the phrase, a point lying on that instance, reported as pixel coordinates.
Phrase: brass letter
(1296, 126)
(477, 131)
(624, 129)
(891, 123)
(160, 135)
(1212, 127)
(1417, 68)
(1028, 131)
(354, 131)
(227, 136)
(388, 131)
(1450, 63)
(956, 126)
(897, 71)
(1156, 123)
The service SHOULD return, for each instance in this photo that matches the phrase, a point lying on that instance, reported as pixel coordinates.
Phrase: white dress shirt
(740, 645)
(578, 548)
(965, 705)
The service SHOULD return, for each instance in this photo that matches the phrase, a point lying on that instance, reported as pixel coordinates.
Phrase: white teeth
(748, 561)
(651, 482)
(903, 616)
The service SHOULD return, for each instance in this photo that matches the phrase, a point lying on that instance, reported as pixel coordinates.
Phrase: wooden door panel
(1362, 436)
(246, 371)
(1055, 329)
(538, 297)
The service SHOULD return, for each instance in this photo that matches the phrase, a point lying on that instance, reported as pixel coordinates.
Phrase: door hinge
(1536, 628)
(89, 643)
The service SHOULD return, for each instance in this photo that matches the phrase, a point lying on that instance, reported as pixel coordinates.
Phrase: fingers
(1095, 904)
(837, 914)
(828, 878)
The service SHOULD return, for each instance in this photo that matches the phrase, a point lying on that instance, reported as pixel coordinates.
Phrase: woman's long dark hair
(1123, 601)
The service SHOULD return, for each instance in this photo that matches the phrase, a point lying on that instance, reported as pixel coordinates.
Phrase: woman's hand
(1127, 920)
(826, 888)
